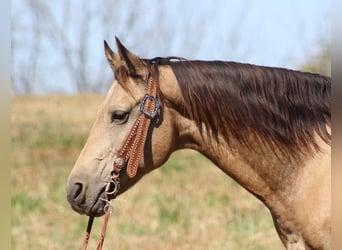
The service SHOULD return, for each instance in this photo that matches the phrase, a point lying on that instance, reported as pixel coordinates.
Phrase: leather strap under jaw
(131, 152)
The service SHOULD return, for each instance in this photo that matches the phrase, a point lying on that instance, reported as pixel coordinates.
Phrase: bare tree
(67, 38)
(28, 70)
(46, 27)
(61, 41)
(74, 56)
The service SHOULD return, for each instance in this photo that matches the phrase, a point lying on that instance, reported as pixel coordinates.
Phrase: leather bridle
(130, 154)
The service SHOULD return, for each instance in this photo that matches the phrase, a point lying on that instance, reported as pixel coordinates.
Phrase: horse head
(115, 119)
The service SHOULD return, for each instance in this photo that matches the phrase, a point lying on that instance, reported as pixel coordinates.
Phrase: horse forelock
(283, 108)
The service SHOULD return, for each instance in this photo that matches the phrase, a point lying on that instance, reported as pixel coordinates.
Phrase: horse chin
(97, 209)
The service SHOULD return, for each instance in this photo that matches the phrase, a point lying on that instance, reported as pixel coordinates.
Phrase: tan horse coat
(297, 193)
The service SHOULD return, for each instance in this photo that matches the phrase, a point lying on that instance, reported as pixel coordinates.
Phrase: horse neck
(250, 168)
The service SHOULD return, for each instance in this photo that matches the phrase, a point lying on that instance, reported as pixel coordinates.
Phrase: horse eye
(119, 117)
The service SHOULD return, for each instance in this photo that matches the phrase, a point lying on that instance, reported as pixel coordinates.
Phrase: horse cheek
(163, 144)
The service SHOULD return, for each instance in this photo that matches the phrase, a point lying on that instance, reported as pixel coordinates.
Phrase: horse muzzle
(85, 199)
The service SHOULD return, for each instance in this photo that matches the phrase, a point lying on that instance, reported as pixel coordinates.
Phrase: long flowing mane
(280, 107)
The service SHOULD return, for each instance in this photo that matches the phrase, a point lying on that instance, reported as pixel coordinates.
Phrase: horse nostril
(77, 190)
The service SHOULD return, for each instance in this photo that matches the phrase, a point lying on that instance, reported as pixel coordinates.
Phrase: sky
(263, 32)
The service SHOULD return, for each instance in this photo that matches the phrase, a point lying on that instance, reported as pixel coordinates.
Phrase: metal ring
(104, 199)
(112, 187)
(108, 207)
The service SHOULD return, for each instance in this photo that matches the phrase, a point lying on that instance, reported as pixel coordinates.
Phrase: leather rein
(130, 154)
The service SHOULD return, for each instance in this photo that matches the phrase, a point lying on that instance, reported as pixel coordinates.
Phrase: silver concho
(119, 162)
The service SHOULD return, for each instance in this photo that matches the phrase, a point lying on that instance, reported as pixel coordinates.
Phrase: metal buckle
(147, 113)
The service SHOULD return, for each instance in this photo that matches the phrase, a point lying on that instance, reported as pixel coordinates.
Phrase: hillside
(186, 204)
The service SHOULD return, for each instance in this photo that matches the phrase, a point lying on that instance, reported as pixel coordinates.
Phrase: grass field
(186, 204)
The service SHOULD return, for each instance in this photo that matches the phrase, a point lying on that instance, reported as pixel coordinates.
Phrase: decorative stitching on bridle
(130, 154)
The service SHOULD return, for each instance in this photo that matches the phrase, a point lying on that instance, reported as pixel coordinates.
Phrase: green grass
(186, 204)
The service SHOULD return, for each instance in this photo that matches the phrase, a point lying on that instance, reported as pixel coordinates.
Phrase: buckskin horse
(267, 128)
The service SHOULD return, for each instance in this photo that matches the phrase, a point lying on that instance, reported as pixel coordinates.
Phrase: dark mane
(282, 108)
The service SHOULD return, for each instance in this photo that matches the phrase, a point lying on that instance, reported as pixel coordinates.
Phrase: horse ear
(134, 65)
(112, 58)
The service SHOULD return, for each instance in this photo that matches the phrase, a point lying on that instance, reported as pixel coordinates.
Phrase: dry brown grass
(186, 204)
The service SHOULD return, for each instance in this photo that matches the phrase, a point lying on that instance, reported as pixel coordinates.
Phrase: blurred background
(59, 78)
(58, 46)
